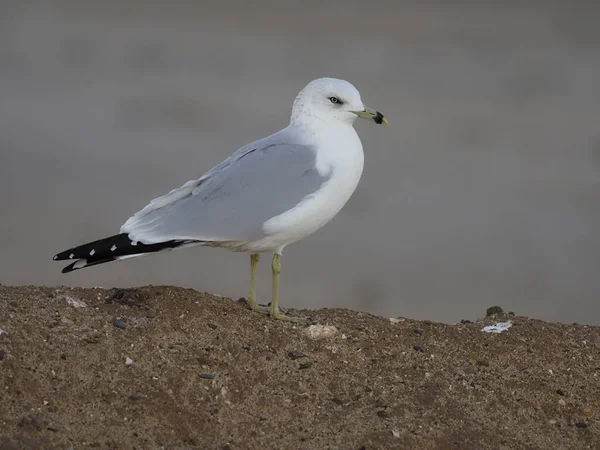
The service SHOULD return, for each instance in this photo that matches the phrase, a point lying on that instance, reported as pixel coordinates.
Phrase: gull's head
(331, 101)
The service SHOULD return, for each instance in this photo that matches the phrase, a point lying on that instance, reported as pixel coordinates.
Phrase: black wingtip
(110, 249)
(83, 263)
(69, 268)
(116, 245)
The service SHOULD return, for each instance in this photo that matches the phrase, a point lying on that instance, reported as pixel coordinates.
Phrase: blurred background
(484, 189)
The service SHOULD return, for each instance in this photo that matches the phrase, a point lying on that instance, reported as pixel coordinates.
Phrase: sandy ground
(165, 367)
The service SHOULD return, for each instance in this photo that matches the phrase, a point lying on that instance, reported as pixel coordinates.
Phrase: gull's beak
(369, 113)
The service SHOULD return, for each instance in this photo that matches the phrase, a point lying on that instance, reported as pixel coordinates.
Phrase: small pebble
(418, 332)
(587, 411)
(552, 422)
(63, 356)
(481, 362)
(212, 326)
(562, 402)
(246, 347)
(395, 433)
(465, 321)
(119, 323)
(493, 310)
(419, 348)
(207, 376)
(128, 361)
(306, 364)
(150, 314)
(321, 331)
(379, 404)
(382, 414)
(295, 355)
(2, 354)
(560, 392)
(134, 397)
(581, 425)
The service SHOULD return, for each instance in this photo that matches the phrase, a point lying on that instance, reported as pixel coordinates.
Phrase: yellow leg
(254, 258)
(275, 313)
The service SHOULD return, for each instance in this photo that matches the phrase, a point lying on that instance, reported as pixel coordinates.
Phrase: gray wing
(232, 201)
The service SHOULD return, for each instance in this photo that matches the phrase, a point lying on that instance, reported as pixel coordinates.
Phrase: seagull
(265, 196)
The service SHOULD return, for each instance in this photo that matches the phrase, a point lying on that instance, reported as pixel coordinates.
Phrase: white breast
(340, 153)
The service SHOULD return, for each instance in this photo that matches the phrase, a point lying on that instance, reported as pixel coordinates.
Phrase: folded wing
(232, 201)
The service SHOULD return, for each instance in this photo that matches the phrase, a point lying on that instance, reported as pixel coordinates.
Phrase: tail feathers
(110, 249)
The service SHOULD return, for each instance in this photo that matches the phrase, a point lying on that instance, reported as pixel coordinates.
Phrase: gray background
(484, 189)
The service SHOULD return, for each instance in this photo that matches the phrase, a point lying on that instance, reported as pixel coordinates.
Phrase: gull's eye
(334, 100)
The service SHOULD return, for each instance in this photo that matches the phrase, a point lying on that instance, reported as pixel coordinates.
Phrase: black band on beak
(378, 119)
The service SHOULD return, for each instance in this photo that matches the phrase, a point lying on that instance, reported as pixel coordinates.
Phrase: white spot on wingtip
(55, 257)
(71, 256)
(80, 264)
(92, 252)
(113, 248)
